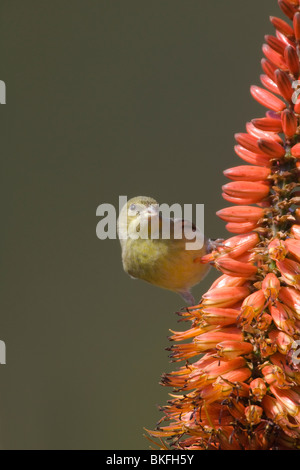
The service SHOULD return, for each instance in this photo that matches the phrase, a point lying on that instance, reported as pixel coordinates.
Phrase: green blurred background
(106, 98)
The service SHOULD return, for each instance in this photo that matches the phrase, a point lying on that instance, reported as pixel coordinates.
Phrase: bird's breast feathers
(161, 263)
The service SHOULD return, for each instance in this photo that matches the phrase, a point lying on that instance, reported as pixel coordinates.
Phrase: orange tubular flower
(239, 385)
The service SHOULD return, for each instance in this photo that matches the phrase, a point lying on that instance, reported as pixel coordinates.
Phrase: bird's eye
(132, 207)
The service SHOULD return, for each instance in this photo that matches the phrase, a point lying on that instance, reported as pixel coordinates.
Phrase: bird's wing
(175, 228)
(186, 229)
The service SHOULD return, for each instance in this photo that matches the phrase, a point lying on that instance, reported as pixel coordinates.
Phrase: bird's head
(138, 212)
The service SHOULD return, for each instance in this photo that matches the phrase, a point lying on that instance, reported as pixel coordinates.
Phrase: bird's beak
(152, 211)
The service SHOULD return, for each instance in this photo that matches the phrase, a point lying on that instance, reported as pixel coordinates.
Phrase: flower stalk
(239, 387)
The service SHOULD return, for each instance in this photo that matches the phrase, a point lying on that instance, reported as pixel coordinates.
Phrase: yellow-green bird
(164, 262)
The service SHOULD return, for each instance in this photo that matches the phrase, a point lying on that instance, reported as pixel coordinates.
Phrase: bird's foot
(188, 297)
(215, 244)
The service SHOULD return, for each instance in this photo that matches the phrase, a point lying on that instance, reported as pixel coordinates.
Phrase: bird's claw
(215, 244)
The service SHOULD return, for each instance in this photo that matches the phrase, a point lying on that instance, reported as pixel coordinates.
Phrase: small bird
(164, 262)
